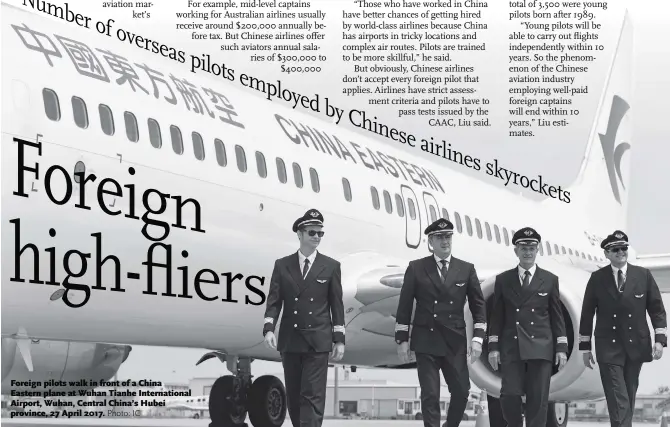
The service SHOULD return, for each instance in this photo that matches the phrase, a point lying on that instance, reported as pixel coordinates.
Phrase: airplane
(145, 205)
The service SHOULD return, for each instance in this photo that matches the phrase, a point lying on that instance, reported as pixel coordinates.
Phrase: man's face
(617, 255)
(310, 236)
(441, 243)
(526, 254)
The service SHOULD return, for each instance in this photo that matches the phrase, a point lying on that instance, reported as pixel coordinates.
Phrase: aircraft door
(412, 217)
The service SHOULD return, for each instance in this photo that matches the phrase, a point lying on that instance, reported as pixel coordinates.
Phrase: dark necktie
(620, 280)
(443, 271)
(305, 268)
(526, 279)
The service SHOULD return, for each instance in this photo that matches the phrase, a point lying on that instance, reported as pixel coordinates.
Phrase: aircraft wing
(659, 264)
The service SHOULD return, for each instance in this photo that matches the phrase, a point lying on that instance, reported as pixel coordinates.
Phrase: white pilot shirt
(615, 272)
(439, 264)
(521, 271)
(301, 261)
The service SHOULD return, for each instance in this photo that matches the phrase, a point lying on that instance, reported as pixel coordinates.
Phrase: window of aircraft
(488, 231)
(459, 224)
(154, 133)
(548, 248)
(51, 105)
(314, 177)
(220, 151)
(241, 157)
(570, 251)
(540, 249)
(468, 225)
(410, 206)
(387, 202)
(347, 189)
(497, 231)
(198, 146)
(132, 132)
(445, 214)
(433, 214)
(563, 247)
(505, 236)
(260, 165)
(106, 119)
(479, 227)
(79, 112)
(177, 141)
(297, 175)
(375, 197)
(281, 171)
(589, 256)
(400, 208)
(582, 254)
(556, 249)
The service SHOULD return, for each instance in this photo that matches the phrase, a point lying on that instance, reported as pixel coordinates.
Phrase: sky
(648, 211)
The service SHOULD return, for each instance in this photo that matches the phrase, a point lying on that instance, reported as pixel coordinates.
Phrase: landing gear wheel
(267, 402)
(224, 408)
(557, 415)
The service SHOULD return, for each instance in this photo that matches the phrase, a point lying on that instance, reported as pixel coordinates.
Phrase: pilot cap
(618, 238)
(311, 217)
(441, 226)
(526, 236)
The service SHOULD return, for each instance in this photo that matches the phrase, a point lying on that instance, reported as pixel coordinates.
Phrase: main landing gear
(235, 396)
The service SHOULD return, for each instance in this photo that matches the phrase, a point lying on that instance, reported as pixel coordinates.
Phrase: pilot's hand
(270, 340)
(658, 350)
(403, 352)
(476, 351)
(338, 351)
(588, 359)
(561, 360)
(494, 359)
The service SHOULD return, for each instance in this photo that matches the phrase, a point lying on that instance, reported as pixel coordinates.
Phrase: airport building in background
(648, 408)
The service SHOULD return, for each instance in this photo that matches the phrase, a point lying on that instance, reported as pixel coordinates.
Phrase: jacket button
(310, 312)
(309, 326)
(517, 323)
(630, 327)
(630, 315)
(296, 299)
(451, 302)
(431, 329)
(532, 323)
(434, 315)
(613, 340)
(613, 327)
(532, 336)
(295, 312)
(311, 299)
(515, 337)
(532, 309)
(435, 301)
(615, 315)
(631, 340)
(517, 309)
(295, 326)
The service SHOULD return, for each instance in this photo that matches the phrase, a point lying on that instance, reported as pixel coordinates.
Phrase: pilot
(308, 285)
(527, 333)
(622, 294)
(440, 283)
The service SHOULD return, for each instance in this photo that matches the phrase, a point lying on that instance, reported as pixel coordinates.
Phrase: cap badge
(618, 235)
(442, 224)
(314, 214)
(528, 232)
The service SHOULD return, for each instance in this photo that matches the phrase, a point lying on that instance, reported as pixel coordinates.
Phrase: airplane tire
(267, 402)
(222, 410)
(557, 414)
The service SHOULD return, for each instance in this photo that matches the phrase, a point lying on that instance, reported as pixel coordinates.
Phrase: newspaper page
(330, 212)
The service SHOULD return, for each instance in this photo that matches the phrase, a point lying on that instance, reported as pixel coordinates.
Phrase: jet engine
(74, 363)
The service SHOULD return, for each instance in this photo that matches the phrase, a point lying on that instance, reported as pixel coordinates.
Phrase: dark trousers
(532, 379)
(496, 418)
(457, 377)
(620, 384)
(305, 377)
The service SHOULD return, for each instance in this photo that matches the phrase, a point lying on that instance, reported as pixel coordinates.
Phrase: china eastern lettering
(56, 177)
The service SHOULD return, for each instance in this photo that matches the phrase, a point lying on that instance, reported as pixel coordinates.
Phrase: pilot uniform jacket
(313, 316)
(527, 322)
(622, 330)
(439, 323)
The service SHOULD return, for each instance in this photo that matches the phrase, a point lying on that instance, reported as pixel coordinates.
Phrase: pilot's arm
(405, 306)
(477, 307)
(558, 325)
(274, 302)
(656, 311)
(589, 306)
(496, 325)
(336, 305)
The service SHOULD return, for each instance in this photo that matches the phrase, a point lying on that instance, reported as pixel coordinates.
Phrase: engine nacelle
(574, 381)
(60, 360)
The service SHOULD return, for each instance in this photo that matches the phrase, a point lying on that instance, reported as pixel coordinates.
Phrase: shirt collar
(438, 260)
(521, 270)
(302, 257)
(624, 269)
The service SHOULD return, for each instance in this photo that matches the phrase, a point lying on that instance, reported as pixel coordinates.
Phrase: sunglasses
(311, 233)
(615, 250)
